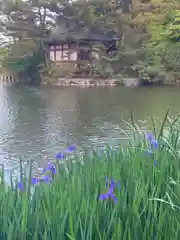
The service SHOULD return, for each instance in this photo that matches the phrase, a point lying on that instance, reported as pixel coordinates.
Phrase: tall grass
(69, 207)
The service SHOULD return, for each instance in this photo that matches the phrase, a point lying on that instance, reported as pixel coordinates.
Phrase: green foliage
(162, 50)
(149, 32)
(3, 54)
(27, 23)
(173, 32)
(24, 59)
(69, 207)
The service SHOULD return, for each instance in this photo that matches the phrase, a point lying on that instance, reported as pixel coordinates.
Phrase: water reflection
(23, 127)
(36, 123)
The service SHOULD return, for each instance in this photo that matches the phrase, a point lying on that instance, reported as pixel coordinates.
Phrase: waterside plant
(127, 193)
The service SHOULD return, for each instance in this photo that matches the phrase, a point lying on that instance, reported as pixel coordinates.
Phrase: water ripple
(36, 123)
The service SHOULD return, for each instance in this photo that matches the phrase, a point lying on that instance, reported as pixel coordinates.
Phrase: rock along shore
(90, 82)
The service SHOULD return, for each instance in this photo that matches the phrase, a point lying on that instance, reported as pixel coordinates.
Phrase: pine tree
(27, 23)
(128, 48)
(85, 20)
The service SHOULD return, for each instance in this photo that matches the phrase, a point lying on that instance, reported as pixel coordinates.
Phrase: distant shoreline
(91, 82)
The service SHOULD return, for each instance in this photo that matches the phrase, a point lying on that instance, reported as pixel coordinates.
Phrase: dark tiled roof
(64, 34)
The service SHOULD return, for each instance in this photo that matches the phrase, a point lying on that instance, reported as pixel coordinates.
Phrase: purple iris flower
(20, 186)
(104, 196)
(51, 168)
(150, 137)
(107, 196)
(46, 179)
(114, 198)
(34, 181)
(60, 156)
(110, 193)
(152, 141)
(155, 144)
(112, 186)
(71, 149)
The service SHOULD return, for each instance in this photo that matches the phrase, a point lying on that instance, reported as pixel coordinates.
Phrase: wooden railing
(6, 79)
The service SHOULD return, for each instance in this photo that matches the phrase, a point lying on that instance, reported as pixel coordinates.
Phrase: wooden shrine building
(73, 47)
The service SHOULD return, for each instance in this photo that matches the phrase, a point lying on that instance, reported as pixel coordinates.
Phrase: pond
(37, 123)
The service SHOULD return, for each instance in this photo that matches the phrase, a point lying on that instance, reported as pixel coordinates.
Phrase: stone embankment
(90, 82)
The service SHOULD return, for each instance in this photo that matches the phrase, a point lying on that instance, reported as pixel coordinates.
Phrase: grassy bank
(125, 193)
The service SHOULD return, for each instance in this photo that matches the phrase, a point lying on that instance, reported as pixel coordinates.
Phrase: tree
(128, 49)
(108, 18)
(147, 34)
(156, 16)
(28, 23)
(173, 30)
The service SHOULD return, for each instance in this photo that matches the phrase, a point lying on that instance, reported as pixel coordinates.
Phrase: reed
(132, 192)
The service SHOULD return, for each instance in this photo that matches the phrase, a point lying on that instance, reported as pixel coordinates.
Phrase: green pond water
(37, 123)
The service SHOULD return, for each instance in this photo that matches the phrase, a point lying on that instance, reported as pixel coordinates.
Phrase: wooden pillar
(55, 53)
